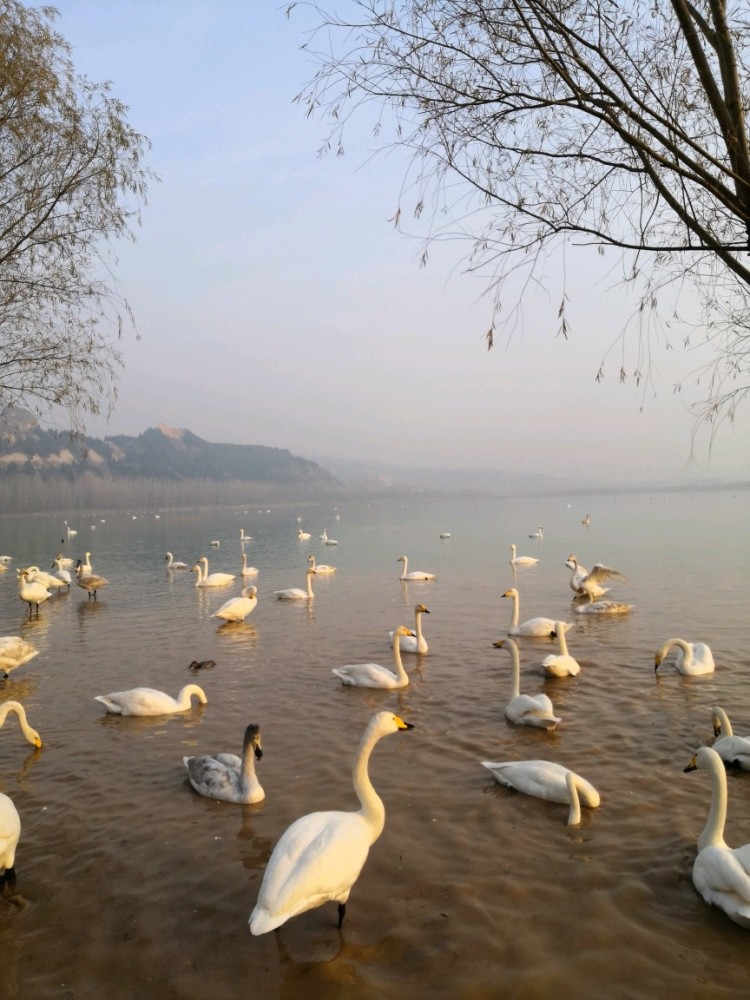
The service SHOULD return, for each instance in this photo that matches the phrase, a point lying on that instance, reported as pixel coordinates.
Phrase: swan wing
(720, 875)
(217, 777)
(370, 675)
(734, 751)
(138, 701)
(559, 665)
(601, 573)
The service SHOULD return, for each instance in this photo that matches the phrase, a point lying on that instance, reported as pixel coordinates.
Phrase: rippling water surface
(130, 883)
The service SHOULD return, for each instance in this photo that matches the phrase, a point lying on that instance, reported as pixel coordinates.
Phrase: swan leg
(342, 914)
(8, 877)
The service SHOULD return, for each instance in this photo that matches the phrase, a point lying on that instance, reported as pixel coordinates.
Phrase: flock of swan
(320, 856)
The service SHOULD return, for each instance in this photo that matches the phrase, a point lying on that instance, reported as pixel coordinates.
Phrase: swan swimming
(204, 579)
(320, 856)
(692, 658)
(225, 776)
(721, 874)
(147, 701)
(560, 664)
(521, 560)
(546, 780)
(14, 652)
(236, 609)
(592, 607)
(372, 675)
(414, 642)
(303, 535)
(326, 539)
(30, 735)
(247, 570)
(415, 574)
(579, 574)
(243, 536)
(320, 569)
(539, 628)
(172, 564)
(296, 593)
(733, 750)
(537, 534)
(526, 709)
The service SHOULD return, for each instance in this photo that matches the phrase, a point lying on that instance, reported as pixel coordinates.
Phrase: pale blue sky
(278, 306)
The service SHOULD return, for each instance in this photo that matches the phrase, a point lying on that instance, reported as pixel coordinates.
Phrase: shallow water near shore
(129, 882)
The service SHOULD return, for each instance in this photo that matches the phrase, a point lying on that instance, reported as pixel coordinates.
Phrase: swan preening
(320, 569)
(225, 776)
(173, 564)
(372, 675)
(236, 609)
(592, 607)
(14, 652)
(49, 580)
(415, 574)
(526, 709)
(32, 593)
(414, 642)
(521, 560)
(30, 735)
(319, 857)
(296, 593)
(546, 780)
(560, 664)
(147, 701)
(692, 658)
(540, 628)
(89, 582)
(733, 750)
(721, 874)
(204, 579)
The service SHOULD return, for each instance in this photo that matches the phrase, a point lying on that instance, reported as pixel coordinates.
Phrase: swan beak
(657, 663)
(401, 724)
(258, 753)
(717, 730)
(500, 643)
(553, 634)
(692, 766)
(37, 742)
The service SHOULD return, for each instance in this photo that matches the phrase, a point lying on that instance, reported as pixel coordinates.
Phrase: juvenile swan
(147, 701)
(225, 776)
(320, 855)
(546, 780)
(692, 657)
(372, 675)
(721, 874)
(526, 709)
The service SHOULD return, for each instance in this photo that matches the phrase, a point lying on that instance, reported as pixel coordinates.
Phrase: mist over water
(130, 883)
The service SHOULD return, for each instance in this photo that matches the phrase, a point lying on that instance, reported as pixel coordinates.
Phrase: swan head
(510, 593)
(383, 723)
(252, 739)
(420, 609)
(401, 559)
(703, 758)
(401, 630)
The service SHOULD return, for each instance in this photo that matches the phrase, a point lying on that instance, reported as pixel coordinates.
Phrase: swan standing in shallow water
(546, 780)
(319, 857)
(247, 570)
(30, 735)
(147, 701)
(521, 560)
(225, 776)
(526, 709)
(14, 652)
(416, 574)
(733, 750)
(721, 874)
(296, 593)
(61, 572)
(693, 658)
(204, 579)
(372, 675)
(592, 607)
(32, 593)
(51, 581)
(414, 642)
(172, 564)
(539, 628)
(320, 569)
(89, 582)
(236, 609)
(560, 664)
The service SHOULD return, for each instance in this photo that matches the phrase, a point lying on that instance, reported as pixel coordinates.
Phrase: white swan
(14, 652)
(586, 520)
(173, 564)
(592, 581)
(10, 832)
(320, 569)
(546, 780)
(535, 627)
(445, 534)
(414, 642)
(721, 874)
(537, 534)
(147, 701)
(372, 675)
(521, 560)
(236, 609)
(526, 709)
(579, 574)
(52, 582)
(204, 579)
(225, 776)
(86, 563)
(592, 607)
(415, 574)
(326, 539)
(215, 543)
(692, 657)
(733, 750)
(30, 735)
(61, 572)
(5, 560)
(243, 536)
(32, 593)
(296, 593)
(319, 857)
(247, 570)
(65, 561)
(560, 664)
(89, 582)
(303, 535)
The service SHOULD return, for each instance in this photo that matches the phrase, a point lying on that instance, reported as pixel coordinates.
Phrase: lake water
(130, 884)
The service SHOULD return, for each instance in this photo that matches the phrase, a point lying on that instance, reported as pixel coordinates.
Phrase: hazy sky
(277, 305)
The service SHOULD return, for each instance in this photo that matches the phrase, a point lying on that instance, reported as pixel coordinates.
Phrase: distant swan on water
(297, 593)
(172, 564)
(372, 675)
(416, 574)
(204, 579)
(540, 628)
(521, 560)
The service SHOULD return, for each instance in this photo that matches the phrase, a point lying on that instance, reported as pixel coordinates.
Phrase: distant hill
(98, 470)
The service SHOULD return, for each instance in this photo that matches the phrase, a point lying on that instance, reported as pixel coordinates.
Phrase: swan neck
(514, 616)
(418, 618)
(574, 816)
(726, 725)
(713, 831)
(373, 810)
(561, 642)
(17, 707)
(309, 585)
(186, 694)
(400, 672)
(516, 664)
